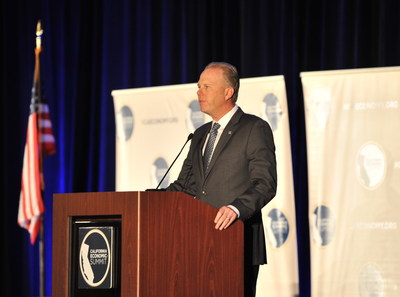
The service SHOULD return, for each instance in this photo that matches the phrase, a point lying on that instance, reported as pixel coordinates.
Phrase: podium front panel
(169, 246)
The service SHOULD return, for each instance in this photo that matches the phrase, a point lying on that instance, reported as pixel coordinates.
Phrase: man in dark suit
(231, 164)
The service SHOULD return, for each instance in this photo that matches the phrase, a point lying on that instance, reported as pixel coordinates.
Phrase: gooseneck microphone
(187, 140)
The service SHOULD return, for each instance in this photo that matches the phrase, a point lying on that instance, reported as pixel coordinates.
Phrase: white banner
(153, 124)
(353, 121)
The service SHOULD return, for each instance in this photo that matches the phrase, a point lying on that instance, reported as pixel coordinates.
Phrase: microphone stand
(189, 138)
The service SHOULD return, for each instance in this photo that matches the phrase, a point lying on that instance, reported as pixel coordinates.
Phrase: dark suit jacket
(242, 173)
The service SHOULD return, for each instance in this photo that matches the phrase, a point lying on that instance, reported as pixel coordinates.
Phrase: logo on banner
(195, 118)
(319, 108)
(158, 170)
(277, 228)
(370, 166)
(371, 282)
(323, 225)
(125, 123)
(271, 110)
(95, 257)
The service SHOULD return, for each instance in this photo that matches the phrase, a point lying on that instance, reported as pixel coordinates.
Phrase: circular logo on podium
(94, 258)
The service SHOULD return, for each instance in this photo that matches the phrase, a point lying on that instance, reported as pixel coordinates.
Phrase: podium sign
(95, 256)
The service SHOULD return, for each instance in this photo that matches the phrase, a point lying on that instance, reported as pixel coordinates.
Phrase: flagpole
(41, 258)
(38, 49)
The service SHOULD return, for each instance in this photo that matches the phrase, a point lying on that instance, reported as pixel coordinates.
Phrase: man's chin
(203, 107)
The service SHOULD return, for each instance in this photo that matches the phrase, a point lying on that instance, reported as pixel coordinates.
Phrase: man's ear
(229, 93)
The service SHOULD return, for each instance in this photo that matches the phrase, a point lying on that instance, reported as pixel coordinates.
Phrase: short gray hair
(231, 76)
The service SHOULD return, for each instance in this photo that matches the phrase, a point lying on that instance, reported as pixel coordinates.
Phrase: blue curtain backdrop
(91, 47)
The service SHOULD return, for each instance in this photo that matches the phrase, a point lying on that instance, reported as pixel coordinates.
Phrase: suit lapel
(229, 130)
(199, 152)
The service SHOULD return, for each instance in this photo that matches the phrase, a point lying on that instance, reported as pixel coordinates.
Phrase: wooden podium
(168, 245)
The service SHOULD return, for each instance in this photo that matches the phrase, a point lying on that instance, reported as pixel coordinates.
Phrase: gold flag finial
(39, 32)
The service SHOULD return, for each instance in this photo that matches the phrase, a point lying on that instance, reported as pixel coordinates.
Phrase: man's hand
(225, 217)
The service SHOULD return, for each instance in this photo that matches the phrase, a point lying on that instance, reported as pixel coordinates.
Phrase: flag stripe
(46, 131)
(45, 122)
(31, 203)
(47, 138)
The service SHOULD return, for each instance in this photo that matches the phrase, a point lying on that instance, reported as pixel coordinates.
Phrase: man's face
(212, 92)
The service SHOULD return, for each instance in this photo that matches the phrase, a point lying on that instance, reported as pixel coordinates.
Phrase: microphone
(187, 140)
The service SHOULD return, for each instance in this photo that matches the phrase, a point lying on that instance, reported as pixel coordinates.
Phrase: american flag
(39, 143)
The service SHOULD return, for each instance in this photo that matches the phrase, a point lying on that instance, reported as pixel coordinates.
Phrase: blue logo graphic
(371, 282)
(159, 168)
(323, 225)
(277, 228)
(195, 118)
(272, 111)
(125, 115)
(319, 108)
(371, 165)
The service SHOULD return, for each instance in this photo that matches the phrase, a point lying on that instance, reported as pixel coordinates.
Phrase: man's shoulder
(252, 118)
(251, 121)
